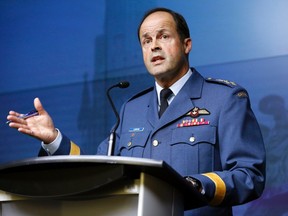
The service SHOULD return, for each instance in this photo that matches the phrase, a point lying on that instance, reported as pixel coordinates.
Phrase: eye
(146, 41)
(164, 36)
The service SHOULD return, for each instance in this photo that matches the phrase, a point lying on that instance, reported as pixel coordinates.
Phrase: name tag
(136, 129)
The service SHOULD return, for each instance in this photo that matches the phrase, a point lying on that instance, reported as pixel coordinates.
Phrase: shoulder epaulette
(221, 81)
(141, 93)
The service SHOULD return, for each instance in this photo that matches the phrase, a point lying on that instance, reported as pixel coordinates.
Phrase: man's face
(164, 53)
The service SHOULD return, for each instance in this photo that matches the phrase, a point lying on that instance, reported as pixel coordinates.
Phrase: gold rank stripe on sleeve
(74, 149)
(220, 188)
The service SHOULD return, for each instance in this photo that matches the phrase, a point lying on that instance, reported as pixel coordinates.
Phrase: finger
(38, 106)
(26, 131)
(14, 124)
(13, 113)
(15, 119)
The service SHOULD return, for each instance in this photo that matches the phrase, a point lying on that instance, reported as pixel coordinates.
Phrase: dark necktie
(164, 94)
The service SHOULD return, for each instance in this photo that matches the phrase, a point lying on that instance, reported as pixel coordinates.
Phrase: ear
(187, 45)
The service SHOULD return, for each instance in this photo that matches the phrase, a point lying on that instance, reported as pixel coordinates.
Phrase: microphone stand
(111, 141)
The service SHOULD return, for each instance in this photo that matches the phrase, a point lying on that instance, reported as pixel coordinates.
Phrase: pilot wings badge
(196, 111)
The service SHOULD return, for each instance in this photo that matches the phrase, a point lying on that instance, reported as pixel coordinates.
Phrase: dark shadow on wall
(275, 196)
(89, 114)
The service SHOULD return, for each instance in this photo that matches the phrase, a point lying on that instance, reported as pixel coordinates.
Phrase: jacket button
(155, 143)
(192, 139)
(129, 143)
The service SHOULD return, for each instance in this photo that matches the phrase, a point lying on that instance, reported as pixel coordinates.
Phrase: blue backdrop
(68, 52)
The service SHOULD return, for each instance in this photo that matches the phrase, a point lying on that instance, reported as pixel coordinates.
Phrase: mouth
(157, 59)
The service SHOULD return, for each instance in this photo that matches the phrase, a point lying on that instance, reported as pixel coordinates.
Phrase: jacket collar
(182, 103)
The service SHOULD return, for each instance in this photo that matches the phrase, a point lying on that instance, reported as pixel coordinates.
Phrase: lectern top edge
(85, 159)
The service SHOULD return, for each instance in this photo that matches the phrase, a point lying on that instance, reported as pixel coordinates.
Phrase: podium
(94, 185)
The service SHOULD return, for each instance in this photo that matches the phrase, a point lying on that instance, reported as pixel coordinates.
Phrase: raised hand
(39, 126)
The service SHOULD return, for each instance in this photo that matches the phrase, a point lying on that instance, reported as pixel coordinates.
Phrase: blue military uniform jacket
(208, 132)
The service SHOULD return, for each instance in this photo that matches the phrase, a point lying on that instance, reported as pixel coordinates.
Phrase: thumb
(38, 106)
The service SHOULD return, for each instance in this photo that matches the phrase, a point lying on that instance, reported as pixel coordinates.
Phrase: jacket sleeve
(242, 155)
(67, 147)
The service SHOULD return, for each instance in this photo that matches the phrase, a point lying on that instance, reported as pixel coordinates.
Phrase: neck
(169, 78)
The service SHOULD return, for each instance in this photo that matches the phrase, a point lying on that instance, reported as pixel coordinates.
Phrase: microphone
(111, 142)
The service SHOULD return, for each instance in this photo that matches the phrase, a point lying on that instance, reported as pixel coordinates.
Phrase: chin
(157, 73)
(157, 70)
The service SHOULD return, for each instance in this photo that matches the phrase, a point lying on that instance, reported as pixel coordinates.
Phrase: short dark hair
(181, 24)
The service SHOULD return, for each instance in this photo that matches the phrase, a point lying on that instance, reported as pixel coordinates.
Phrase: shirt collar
(176, 87)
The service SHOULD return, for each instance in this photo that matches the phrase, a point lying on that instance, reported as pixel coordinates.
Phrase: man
(208, 132)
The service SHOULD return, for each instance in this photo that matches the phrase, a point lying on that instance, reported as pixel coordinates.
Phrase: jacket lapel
(152, 114)
(182, 103)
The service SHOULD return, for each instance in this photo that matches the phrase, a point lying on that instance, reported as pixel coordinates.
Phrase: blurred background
(68, 52)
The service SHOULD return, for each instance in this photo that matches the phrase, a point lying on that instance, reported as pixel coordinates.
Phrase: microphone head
(123, 84)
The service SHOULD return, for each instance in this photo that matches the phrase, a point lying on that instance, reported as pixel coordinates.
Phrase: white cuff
(52, 147)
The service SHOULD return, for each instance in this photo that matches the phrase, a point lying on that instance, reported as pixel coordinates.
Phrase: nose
(155, 46)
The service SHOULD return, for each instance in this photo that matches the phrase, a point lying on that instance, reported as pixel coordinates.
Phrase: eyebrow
(159, 31)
